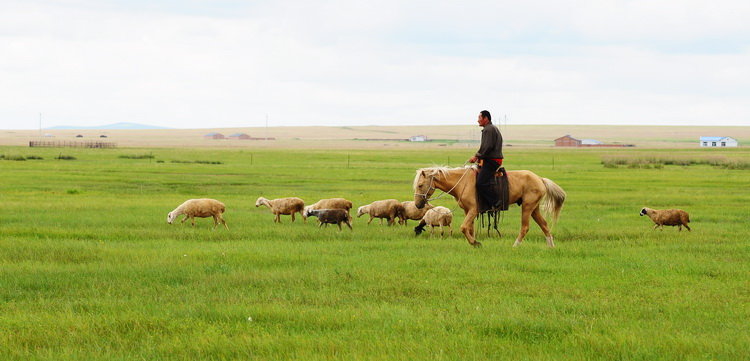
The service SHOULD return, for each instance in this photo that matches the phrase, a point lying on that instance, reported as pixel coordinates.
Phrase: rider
(491, 154)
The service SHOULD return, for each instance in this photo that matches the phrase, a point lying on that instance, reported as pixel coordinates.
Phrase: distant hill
(133, 126)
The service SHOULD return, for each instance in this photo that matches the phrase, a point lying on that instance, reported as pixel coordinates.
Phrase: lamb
(389, 209)
(330, 203)
(285, 206)
(204, 207)
(667, 217)
(437, 216)
(412, 212)
(330, 216)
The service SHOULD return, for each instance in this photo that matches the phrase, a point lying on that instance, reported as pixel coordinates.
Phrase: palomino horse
(524, 187)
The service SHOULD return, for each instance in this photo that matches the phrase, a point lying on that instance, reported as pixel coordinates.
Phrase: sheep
(412, 212)
(667, 217)
(330, 203)
(330, 216)
(285, 206)
(204, 207)
(389, 209)
(437, 216)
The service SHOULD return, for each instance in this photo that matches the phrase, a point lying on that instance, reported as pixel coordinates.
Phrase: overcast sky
(190, 64)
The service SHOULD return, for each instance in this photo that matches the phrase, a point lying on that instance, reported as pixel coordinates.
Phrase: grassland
(89, 270)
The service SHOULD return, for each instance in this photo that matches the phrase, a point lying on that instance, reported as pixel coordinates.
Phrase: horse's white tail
(554, 199)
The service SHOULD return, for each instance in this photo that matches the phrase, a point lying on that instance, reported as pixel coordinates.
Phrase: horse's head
(423, 186)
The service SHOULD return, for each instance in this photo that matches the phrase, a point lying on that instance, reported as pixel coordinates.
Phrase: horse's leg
(467, 228)
(526, 210)
(539, 219)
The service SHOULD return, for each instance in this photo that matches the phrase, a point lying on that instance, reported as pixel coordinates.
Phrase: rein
(432, 188)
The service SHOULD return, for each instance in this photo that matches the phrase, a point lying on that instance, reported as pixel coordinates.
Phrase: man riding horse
(491, 154)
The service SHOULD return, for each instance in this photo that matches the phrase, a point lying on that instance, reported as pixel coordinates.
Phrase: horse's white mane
(437, 171)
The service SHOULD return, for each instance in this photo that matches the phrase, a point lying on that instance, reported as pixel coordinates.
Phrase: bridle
(432, 188)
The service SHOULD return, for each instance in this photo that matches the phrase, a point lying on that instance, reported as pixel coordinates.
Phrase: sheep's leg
(539, 219)
(451, 228)
(526, 210)
(688, 227)
(442, 231)
(221, 218)
(184, 219)
(348, 224)
(320, 224)
(679, 228)
(192, 220)
(339, 224)
(292, 216)
(277, 219)
(368, 222)
(656, 226)
(216, 222)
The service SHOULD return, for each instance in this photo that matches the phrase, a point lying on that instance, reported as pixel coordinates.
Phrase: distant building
(48, 135)
(214, 136)
(418, 138)
(102, 136)
(567, 141)
(239, 136)
(718, 142)
(79, 136)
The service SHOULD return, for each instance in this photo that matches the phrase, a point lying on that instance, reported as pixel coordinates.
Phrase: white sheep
(389, 209)
(438, 216)
(204, 207)
(412, 212)
(285, 206)
(667, 217)
(329, 203)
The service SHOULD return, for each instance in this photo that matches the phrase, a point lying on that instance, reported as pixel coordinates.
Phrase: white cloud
(335, 62)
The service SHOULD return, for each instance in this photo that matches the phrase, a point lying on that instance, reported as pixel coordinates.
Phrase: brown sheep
(329, 203)
(285, 206)
(438, 216)
(330, 216)
(389, 209)
(412, 212)
(667, 217)
(204, 207)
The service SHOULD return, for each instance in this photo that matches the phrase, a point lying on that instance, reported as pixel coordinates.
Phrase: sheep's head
(309, 212)
(644, 212)
(259, 202)
(360, 211)
(170, 217)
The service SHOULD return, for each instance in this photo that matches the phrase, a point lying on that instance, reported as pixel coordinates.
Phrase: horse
(524, 187)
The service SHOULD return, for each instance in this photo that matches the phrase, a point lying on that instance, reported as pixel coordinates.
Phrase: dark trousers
(487, 185)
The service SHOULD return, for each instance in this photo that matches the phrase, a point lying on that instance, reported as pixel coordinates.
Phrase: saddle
(501, 191)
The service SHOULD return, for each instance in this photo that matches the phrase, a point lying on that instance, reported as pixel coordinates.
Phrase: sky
(211, 64)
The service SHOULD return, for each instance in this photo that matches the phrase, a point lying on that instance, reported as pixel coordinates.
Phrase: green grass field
(89, 269)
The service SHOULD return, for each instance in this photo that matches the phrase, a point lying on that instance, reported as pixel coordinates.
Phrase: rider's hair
(486, 114)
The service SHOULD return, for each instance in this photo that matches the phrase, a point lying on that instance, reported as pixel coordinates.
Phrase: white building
(718, 142)
(590, 142)
(418, 138)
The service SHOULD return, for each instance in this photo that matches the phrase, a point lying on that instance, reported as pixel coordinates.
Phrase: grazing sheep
(285, 206)
(389, 209)
(330, 216)
(667, 217)
(438, 216)
(330, 203)
(412, 212)
(204, 207)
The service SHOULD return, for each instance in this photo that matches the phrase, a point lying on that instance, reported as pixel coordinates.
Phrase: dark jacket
(492, 143)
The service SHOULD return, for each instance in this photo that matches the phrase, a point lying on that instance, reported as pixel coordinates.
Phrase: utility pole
(40, 125)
